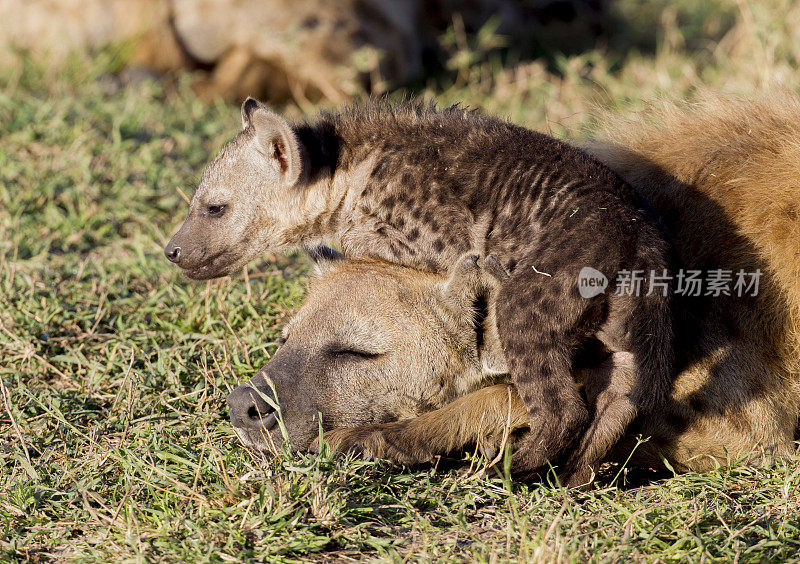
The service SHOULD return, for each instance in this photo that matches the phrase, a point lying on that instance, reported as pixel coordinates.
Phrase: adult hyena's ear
(472, 276)
(490, 349)
(463, 285)
(324, 258)
(493, 267)
(274, 139)
(470, 293)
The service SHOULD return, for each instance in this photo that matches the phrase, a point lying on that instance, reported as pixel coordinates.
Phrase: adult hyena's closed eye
(420, 187)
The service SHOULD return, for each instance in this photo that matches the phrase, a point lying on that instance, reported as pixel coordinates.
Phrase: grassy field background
(114, 437)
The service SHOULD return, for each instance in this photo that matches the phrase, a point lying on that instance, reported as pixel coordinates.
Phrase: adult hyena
(725, 176)
(424, 374)
(420, 187)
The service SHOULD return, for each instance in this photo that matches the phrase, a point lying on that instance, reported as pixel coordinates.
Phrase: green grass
(114, 437)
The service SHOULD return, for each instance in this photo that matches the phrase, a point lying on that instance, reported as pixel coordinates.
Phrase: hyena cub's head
(247, 201)
(373, 342)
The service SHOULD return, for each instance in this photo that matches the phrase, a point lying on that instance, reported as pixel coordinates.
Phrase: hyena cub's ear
(248, 106)
(274, 139)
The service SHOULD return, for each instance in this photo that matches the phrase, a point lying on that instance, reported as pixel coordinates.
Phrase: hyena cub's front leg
(542, 321)
(535, 322)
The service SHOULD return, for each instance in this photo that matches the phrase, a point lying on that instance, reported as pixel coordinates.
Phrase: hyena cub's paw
(373, 443)
(542, 445)
(529, 455)
(545, 443)
(577, 477)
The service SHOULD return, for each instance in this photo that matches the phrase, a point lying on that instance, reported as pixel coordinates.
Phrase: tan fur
(725, 175)
(742, 155)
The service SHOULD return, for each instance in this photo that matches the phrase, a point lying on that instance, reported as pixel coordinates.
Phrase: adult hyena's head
(373, 342)
(247, 201)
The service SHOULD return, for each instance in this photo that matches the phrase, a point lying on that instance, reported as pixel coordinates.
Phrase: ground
(114, 435)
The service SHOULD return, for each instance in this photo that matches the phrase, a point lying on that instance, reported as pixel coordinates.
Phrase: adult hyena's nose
(249, 410)
(173, 252)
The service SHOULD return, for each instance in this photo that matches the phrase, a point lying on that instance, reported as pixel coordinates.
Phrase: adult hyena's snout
(250, 410)
(254, 417)
(278, 403)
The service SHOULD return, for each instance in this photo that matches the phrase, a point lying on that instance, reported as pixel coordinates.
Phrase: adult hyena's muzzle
(252, 416)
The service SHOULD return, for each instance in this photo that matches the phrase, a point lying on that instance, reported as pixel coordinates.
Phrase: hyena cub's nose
(173, 253)
(249, 410)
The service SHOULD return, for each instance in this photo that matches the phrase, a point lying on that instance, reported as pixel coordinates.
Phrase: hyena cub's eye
(215, 211)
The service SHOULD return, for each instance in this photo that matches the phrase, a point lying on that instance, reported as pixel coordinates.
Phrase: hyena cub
(420, 187)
